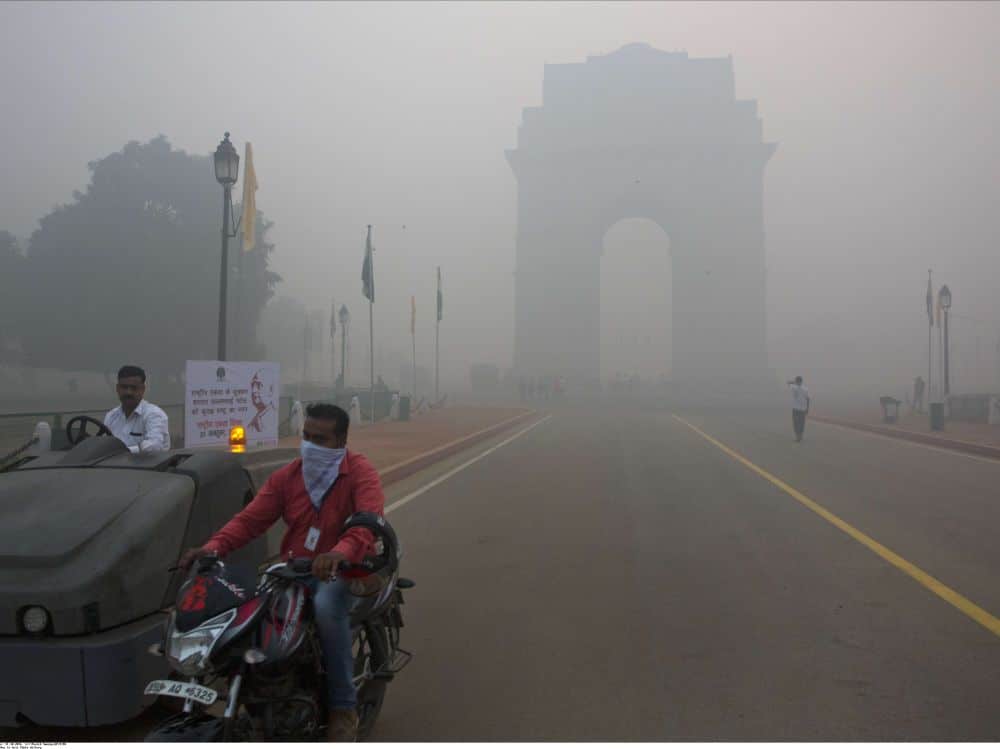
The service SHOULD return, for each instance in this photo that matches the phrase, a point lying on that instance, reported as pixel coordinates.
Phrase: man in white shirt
(142, 426)
(800, 407)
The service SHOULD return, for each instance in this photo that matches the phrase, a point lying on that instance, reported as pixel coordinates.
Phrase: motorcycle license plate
(183, 690)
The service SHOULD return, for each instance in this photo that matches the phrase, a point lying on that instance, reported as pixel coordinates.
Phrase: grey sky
(886, 116)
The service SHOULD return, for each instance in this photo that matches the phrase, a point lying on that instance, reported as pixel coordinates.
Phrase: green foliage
(12, 295)
(282, 328)
(129, 271)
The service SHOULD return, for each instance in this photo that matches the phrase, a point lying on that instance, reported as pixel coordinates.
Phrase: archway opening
(636, 300)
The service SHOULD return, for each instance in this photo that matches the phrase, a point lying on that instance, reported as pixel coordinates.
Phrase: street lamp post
(227, 167)
(945, 298)
(345, 321)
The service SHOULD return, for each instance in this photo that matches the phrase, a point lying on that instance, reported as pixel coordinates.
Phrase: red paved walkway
(392, 442)
(957, 430)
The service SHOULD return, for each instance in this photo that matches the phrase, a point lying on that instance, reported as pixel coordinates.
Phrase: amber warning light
(237, 439)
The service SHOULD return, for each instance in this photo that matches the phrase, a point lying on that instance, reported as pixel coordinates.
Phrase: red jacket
(284, 495)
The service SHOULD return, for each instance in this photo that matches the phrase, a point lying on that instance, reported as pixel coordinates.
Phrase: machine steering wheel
(78, 424)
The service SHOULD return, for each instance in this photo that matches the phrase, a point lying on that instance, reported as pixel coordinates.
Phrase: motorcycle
(251, 654)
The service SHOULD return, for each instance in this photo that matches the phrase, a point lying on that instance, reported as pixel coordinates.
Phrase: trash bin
(937, 417)
(890, 409)
(404, 408)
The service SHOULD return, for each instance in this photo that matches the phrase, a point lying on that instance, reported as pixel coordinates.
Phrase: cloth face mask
(320, 467)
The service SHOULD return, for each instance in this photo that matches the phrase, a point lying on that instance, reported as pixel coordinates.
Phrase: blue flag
(930, 301)
(440, 300)
(368, 270)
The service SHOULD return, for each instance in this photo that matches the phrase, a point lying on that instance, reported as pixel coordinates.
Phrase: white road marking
(900, 440)
(441, 479)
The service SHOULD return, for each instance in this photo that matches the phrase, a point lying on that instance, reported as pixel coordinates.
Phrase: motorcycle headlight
(189, 651)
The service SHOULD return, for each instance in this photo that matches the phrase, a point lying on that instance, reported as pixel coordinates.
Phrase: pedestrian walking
(800, 407)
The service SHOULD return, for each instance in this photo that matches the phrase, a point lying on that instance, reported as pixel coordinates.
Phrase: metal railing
(15, 428)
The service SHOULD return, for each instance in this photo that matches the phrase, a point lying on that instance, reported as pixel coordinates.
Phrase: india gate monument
(642, 133)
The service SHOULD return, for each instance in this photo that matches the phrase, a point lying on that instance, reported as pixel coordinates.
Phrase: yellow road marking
(960, 602)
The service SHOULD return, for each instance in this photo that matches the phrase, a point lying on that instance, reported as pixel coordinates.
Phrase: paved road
(618, 576)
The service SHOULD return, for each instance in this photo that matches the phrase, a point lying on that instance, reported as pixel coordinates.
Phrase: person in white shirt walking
(142, 426)
(800, 407)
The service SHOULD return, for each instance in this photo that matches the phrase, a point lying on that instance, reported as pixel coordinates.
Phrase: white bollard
(355, 410)
(44, 434)
(394, 408)
(297, 419)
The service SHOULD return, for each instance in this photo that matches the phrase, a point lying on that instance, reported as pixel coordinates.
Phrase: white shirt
(147, 429)
(800, 398)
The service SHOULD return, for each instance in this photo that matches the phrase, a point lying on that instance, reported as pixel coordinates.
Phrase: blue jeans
(332, 602)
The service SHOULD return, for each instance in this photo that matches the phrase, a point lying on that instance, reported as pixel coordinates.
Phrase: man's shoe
(343, 725)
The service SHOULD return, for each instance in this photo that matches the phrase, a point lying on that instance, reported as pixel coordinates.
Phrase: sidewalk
(391, 443)
(982, 439)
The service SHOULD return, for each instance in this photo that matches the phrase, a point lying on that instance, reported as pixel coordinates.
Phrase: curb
(973, 448)
(400, 471)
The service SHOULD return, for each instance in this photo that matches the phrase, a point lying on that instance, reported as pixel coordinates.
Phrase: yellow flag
(413, 315)
(249, 219)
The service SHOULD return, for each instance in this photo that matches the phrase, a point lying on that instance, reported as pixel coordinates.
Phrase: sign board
(221, 395)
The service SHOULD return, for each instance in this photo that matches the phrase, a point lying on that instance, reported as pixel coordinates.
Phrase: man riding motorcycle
(314, 495)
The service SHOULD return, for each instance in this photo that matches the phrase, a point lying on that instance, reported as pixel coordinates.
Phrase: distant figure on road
(800, 407)
(142, 426)
(918, 394)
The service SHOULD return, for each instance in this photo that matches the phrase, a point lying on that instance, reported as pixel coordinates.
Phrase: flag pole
(930, 329)
(305, 356)
(371, 352)
(437, 340)
(333, 346)
(413, 336)
(370, 252)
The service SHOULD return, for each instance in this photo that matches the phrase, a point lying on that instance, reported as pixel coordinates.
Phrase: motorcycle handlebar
(302, 566)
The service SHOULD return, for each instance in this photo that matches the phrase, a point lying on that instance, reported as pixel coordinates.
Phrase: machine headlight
(35, 619)
(189, 651)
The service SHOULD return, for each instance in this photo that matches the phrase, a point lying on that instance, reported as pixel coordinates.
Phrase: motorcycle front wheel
(371, 656)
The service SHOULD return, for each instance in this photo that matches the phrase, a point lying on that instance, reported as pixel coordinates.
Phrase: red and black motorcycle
(251, 656)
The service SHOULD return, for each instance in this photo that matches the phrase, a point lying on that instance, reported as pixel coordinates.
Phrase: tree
(12, 296)
(281, 331)
(129, 271)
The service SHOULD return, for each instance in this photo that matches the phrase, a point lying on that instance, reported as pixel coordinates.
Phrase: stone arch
(636, 300)
(657, 135)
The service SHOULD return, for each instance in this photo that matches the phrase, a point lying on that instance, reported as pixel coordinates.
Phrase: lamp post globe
(945, 295)
(944, 298)
(345, 320)
(227, 163)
